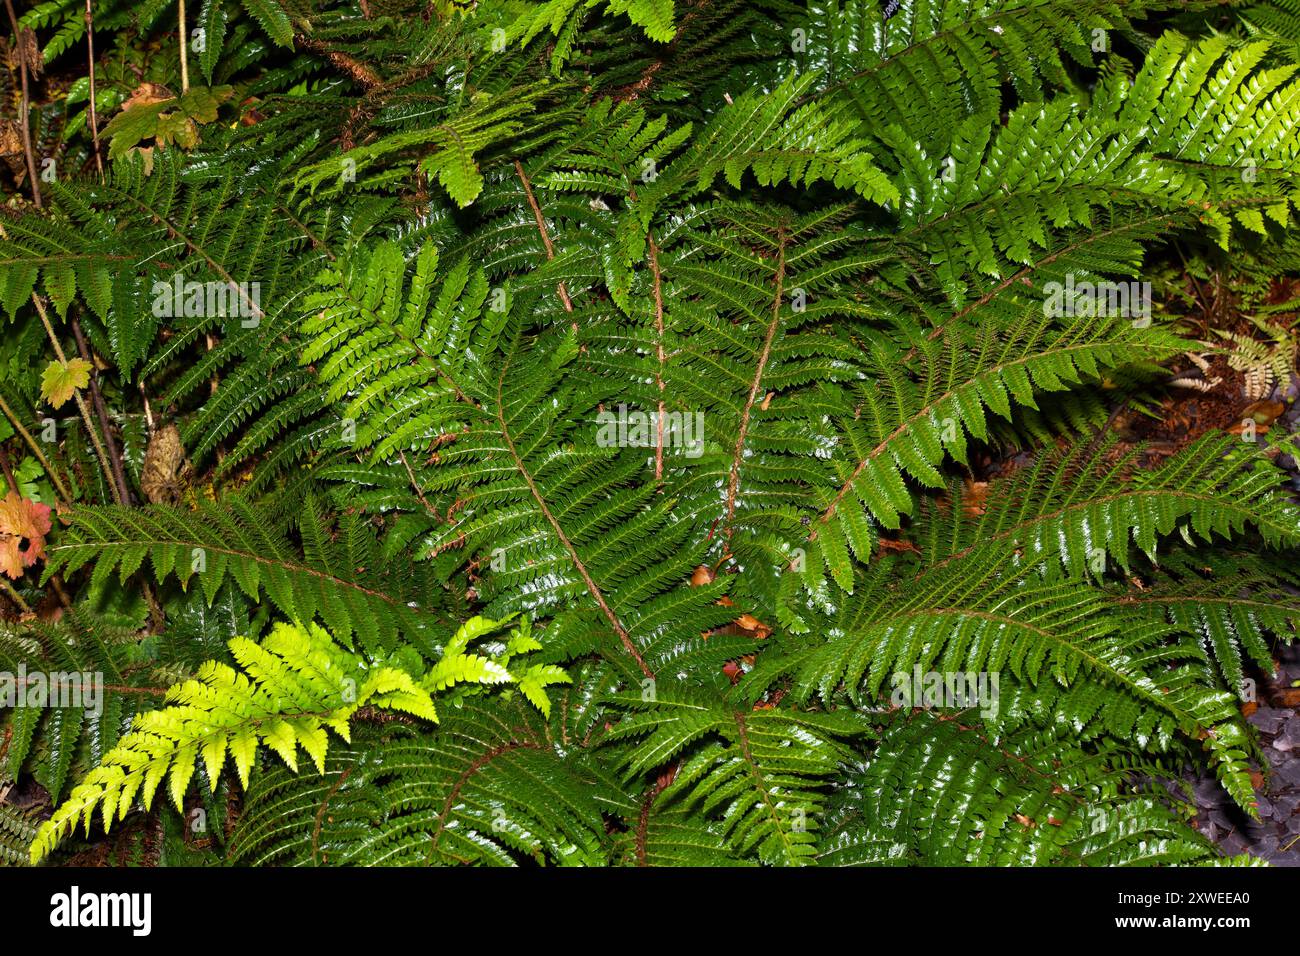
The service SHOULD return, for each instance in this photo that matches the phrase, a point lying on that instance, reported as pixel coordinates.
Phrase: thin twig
(8, 471)
(733, 481)
(101, 413)
(90, 57)
(81, 404)
(185, 63)
(13, 418)
(541, 227)
(17, 598)
(592, 588)
(659, 350)
(99, 447)
(361, 74)
(26, 105)
(415, 486)
(57, 583)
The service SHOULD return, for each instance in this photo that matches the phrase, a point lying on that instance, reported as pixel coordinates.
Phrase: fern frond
(761, 774)
(340, 577)
(952, 796)
(290, 689)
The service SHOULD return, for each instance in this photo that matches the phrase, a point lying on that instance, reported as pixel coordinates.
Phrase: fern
(654, 390)
(18, 828)
(489, 787)
(761, 773)
(294, 686)
(929, 795)
(338, 574)
(86, 676)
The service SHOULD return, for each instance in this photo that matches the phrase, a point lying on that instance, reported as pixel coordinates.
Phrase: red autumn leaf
(21, 519)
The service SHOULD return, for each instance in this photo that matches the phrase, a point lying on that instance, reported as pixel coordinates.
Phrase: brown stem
(453, 794)
(733, 483)
(592, 587)
(100, 452)
(57, 583)
(174, 229)
(185, 63)
(363, 75)
(28, 152)
(320, 814)
(541, 227)
(415, 486)
(90, 58)
(1021, 275)
(315, 240)
(659, 350)
(8, 472)
(15, 596)
(101, 413)
(81, 403)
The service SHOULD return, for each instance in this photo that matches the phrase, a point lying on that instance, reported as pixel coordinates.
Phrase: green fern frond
(338, 574)
(762, 774)
(290, 689)
(951, 796)
(18, 828)
(489, 787)
(67, 688)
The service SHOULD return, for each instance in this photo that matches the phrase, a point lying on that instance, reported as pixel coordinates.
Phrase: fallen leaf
(148, 94)
(1263, 412)
(149, 115)
(32, 51)
(165, 472)
(22, 519)
(891, 544)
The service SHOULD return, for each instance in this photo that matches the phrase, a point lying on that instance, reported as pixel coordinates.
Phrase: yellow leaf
(59, 381)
